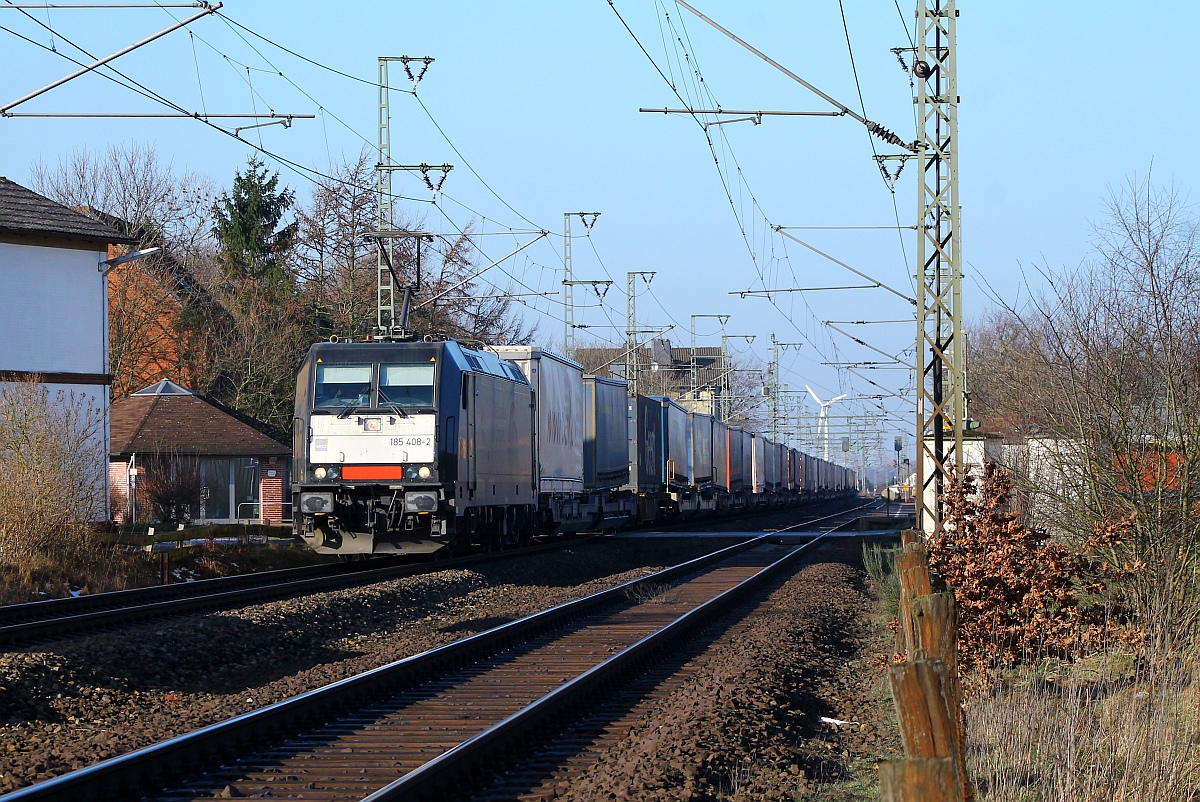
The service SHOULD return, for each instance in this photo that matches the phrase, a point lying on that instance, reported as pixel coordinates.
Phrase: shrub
(52, 468)
(1021, 593)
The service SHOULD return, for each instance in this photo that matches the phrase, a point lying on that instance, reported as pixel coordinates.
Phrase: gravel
(742, 721)
(73, 702)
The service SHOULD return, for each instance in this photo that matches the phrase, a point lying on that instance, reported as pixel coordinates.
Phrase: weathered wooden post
(912, 564)
(930, 779)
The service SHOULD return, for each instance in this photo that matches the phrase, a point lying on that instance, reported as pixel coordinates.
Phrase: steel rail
(131, 775)
(54, 617)
(22, 622)
(438, 776)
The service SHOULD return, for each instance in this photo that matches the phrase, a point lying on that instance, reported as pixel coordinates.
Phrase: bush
(1021, 594)
(52, 468)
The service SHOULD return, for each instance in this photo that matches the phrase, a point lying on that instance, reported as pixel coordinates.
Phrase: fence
(926, 690)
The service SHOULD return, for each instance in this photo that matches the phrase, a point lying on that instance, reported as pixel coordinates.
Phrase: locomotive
(422, 447)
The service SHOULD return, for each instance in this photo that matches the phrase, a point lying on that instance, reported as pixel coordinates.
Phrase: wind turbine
(823, 422)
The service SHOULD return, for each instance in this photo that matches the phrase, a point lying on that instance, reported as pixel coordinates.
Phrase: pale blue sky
(1060, 102)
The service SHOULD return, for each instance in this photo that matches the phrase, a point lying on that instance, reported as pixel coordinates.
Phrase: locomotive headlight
(319, 473)
(334, 471)
(424, 472)
(373, 424)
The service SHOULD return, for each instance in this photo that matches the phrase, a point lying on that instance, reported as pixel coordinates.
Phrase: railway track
(47, 619)
(427, 724)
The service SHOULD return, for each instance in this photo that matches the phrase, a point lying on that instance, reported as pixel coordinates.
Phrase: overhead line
(855, 271)
(873, 127)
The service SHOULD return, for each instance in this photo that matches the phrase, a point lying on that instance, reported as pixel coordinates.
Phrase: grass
(1111, 728)
(109, 569)
(880, 564)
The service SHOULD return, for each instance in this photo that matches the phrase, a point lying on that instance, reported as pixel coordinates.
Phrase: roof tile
(24, 211)
(184, 424)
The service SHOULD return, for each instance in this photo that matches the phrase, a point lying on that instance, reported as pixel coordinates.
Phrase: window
(406, 385)
(340, 386)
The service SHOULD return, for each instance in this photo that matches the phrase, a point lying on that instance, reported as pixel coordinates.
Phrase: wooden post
(912, 564)
(926, 690)
(934, 625)
(928, 727)
(935, 630)
(918, 780)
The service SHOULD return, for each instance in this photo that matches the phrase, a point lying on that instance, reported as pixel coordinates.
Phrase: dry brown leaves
(1023, 595)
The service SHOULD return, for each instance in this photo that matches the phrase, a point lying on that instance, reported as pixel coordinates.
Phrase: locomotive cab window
(341, 386)
(406, 385)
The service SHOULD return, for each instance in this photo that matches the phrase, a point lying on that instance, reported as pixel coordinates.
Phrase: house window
(229, 489)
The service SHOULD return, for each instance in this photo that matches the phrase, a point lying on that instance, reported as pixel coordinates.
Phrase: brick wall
(118, 484)
(275, 490)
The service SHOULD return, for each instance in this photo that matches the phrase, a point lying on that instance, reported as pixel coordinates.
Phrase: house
(162, 320)
(54, 297)
(665, 370)
(176, 457)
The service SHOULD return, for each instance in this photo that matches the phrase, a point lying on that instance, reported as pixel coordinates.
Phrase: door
(469, 406)
(215, 489)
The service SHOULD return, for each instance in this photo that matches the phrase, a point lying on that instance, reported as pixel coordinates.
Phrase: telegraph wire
(756, 208)
(232, 22)
(883, 174)
(309, 60)
(140, 89)
(373, 146)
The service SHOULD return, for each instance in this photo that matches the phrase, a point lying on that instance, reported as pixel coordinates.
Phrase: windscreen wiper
(348, 411)
(391, 404)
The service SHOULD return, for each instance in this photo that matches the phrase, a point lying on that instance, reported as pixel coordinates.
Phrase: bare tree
(170, 481)
(154, 327)
(52, 466)
(1103, 369)
(161, 204)
(453, 303)
(336, 260)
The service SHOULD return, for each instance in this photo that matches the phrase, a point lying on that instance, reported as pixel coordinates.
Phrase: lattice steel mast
(939, 359)
(387, 280)
(569, 282)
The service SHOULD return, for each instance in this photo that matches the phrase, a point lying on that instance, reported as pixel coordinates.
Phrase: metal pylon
(939, 359)
(385, 300)
(568, 289)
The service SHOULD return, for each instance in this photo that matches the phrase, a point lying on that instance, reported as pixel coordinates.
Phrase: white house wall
(53, 309)
(54, 319)
(976, 450)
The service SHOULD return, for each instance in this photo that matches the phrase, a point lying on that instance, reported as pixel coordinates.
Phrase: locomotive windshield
(341, 386)
(406, 385)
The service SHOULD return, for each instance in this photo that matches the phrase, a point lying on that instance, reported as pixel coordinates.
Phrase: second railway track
(408, 729)
(46, 619)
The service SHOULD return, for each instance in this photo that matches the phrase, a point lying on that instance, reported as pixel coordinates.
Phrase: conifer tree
(254, 247)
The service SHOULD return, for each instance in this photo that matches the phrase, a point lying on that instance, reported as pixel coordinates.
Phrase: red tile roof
(184, 424)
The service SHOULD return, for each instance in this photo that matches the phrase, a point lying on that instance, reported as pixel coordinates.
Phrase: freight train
(409, 447)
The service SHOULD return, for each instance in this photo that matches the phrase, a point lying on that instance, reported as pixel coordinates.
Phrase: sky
(536, 106)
